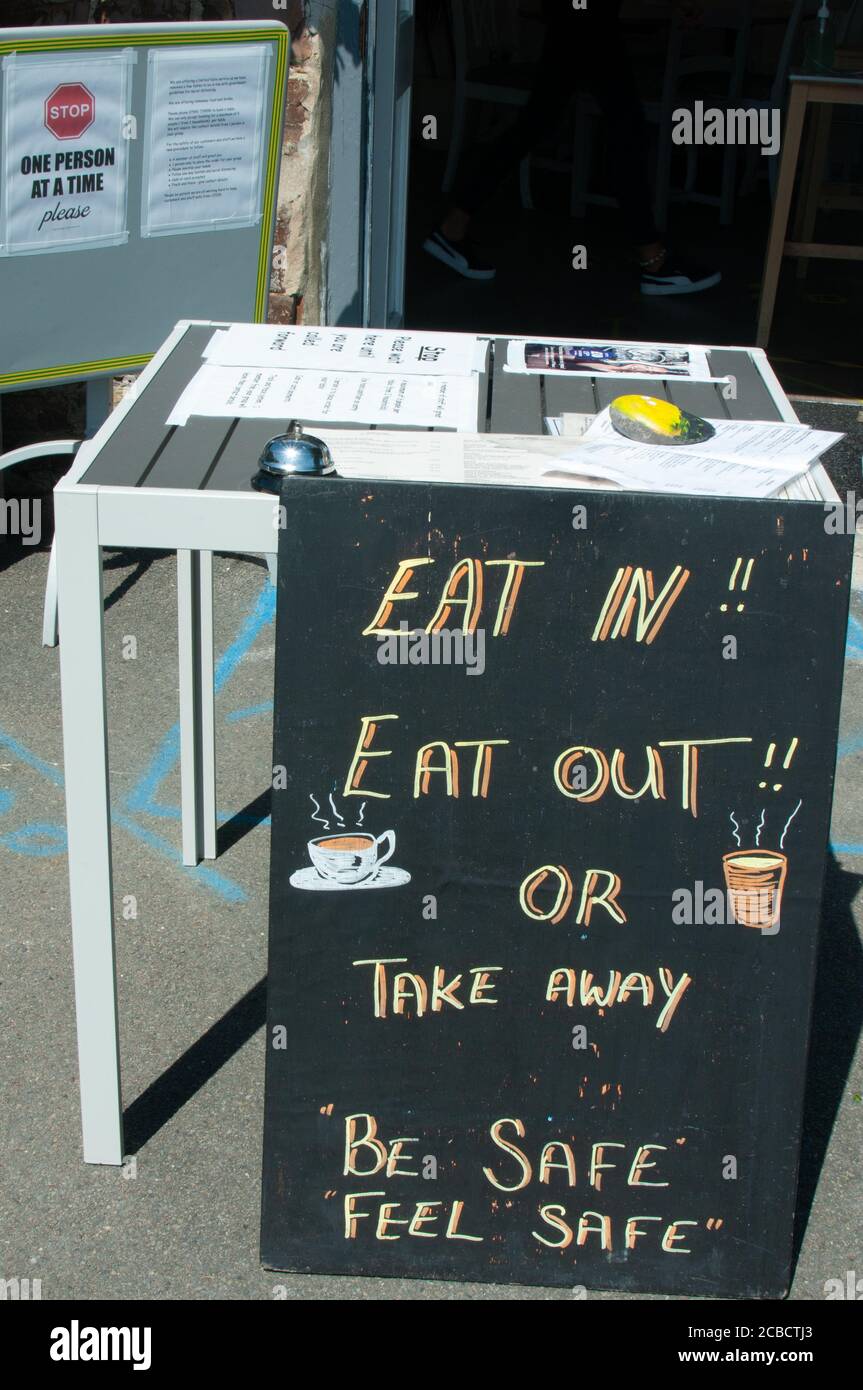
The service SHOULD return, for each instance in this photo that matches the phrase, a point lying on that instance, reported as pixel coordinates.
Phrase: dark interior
(814, 344)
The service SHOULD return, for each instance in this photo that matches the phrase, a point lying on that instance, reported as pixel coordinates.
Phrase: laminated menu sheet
(406, 351)
(374, 398)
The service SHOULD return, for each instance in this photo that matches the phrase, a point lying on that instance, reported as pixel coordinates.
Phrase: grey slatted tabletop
(221, 454)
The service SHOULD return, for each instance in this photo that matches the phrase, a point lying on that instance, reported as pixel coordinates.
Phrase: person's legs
(551, 91)
(602, 67)
(490, 164)
(586, 50)
(581, 49)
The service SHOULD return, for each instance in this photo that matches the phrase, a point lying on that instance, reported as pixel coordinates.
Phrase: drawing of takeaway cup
(350, 858)
(755, 878)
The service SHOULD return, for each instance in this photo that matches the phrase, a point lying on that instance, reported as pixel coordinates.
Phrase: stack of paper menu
(743, 458)
(345, 375)
(541, 461)
(526, 460)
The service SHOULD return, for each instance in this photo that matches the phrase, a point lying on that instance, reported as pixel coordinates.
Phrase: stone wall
(297, 290)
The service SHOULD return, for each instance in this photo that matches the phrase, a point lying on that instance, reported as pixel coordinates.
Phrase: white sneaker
(461, 256)
(678, 276)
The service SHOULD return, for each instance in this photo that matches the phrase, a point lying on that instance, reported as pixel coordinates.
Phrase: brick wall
(298, 280)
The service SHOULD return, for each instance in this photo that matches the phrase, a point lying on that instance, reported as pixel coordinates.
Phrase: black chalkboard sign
(552, 785)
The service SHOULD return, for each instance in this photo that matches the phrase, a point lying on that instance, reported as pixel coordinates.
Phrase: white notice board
(138, 179)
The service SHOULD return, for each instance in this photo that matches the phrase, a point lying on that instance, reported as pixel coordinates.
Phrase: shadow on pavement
(252, 815)
(837, 1014)
(198, 1065)
(141, 562)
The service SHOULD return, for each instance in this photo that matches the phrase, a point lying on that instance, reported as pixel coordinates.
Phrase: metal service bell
(293, 454)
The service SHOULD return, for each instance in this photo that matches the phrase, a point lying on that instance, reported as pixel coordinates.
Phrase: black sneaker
(677, 275)
(461, 256)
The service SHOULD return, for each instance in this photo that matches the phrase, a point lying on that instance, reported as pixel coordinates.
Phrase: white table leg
(88, 815)
(197, 719)
(50, 631)
(208, 704)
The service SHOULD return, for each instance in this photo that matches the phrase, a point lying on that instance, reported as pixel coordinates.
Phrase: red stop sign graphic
(70, 110)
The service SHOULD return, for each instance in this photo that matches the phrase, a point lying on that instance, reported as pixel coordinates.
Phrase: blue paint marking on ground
(854, 643)
(142, 796)
(249, 712)
(156, 808)
(209, 878)
(846, 848)
(42, 840)
(166, 755)
(38, 840)
(25, 756)
(264, 612)
(852, 744)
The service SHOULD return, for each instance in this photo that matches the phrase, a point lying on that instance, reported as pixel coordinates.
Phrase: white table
(139, 484)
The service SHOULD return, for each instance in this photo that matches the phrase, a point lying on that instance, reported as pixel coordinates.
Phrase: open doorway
(563, 253)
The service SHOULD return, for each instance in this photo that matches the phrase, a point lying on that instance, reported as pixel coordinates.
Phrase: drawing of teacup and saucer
(349, 860)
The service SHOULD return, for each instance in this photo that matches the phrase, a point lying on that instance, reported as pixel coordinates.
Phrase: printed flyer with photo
(598, 357)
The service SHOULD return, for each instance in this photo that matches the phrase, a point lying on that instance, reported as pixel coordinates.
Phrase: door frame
(391, 29)
(372, 76)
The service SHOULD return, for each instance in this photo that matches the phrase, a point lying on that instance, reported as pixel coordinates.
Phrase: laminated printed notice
(204, 140)
(64, 151)
(380, 398)
(412, 352)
